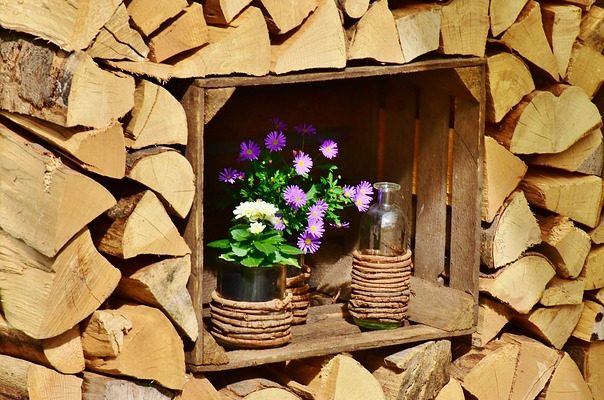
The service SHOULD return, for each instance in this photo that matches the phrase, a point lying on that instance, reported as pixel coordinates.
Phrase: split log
(354, 8)
(66, 89)
(71, 26)
(586, 69)
(103, 333)
(222, 12)
(168, 173)
(152, 350)
(157, 118)
(186, 32)
(214, 100)
(596, 295)
(161, 72)
(503, 13)
(377, 22)
(563, 291)
(63, 353)
(566, 383)
(418, 28)
(564, 244)
(520, 284)
(101, 151)
(561, 25)
(508, 81)
(451, 391)
(584, 4)
(99, 387)
(575, 196)
(585, 156)
(21, 379)
(56, 292)
(592, 273)
(418, 372)
(319, 43)
(589, 357)
(148, 15)
(554, 325)
(527, 37)
(597, 234)
(512, 232)
(590, 326)
(548, 121)
(197, 388)
(492, 317)
(163, 285)
(592, 29)
(255, 389)
(464, 27)
(139, 224)
(280, 376)
(117, 40)
(284, 15)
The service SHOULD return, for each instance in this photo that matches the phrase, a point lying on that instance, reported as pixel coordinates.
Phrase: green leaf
(312, 192)
(228, 257)
(240, 234)
(238, 250)
(219, 244)
(264, 247)
(289, 249)
(251, 261)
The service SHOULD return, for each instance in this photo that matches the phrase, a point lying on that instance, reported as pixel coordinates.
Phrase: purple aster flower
(307, 243)
(278, 223)
(365, 188)
(302, 163)
(350, 191)
(305, 129)
(240, 175)
(316, 211)
(340, 225)
(249, 150)
(294, 196)
(275, 141)
(228, 175)
(279, 124)
(315, 228)
(322, 204)
(361, 201)
(329, 148)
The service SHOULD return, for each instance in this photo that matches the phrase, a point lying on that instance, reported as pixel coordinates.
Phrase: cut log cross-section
(592, 273)
(464, 27)
(451, 391)
(503, 13)
(561, 25)
(592, 29)
(418, 28)
(589, 357)
(561, 291)
(566, 383)
(590, 326)
(284, 15)
(554, 325)
(148, 15)
(492, 317)
(586, 69)
(222, 12)
(354, 8)
(96, 387)
(103, 333)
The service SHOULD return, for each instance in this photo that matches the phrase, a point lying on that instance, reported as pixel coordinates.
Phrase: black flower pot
(252, 284)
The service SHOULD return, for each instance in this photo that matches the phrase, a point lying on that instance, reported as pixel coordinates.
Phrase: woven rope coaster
(226, 326)
(378, 290)
(379, 284)
(377, 310)
(358, 303)
(298, 289)
(271, 305)
(381, 259)
(246, 316)
(258, 336)
(377, 299)
(391, 316)
(403, 265)
(370, 276)
(251, 343)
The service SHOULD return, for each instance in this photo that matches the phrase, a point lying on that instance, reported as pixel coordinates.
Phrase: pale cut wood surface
(44, 203)
(597, 234)
(561, 291)
(561, 25)
(418, 28)
(152, 350)
(502, 172)
(589, 358)
(100, 387)
(590, 326)
(567, 383)
(198, 387)
(344, 378)
(584, 4)
(354, 8)
(71, 26)
(592, 29)
(56, 292)
(103, 333)
(117, 40)
(464, 27)
(592, 273)
(553, 325)
(503, 14)
(148, 15)
(101, 151)
(451, 391)
(222, 12)
(284, 15)
(586, 69)
(492, 317)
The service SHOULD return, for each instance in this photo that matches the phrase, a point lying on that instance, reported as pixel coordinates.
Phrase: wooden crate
(419, 124)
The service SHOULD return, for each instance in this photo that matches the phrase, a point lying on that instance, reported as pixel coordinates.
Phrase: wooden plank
(431, 219)
(346, 73)
(193, 103)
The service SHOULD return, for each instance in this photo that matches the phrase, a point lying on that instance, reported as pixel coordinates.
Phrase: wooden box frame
(446, 87)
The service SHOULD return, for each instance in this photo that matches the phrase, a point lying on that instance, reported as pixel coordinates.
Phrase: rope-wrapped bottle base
(298, 287)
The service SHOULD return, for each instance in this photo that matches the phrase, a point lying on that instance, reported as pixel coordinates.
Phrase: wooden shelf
(329, 330)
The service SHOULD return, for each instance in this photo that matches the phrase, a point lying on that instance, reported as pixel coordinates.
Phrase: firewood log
(103, 333)
(66, 89)
(590, 326)
(464, 27)
(117, 40)
(592, 29)
(451, 391)
(508, 81)
(592, 273)
(584, 4)
(575, 196)
(20, 379)
(168, 173)
(99, 387)
(148, 15)
(319, 43)
(589, 357)
(186, 32)
(566, 383)
(597, 234)
(378, 21)
(151, 350)
(139, 224)
(554, 325)
(492, 317)
(513, 231)
(503, 14)
(56, 292)
(63, 353)
(527, 37)
(71, 26)
(214, 100)
(548, 121)
(163, 285)
(564, 244)
(255, 389)
(520, 284)
(284, 15)
(222, 12)
(418, 28)
(586, 69)
(561, 25)
(354, 8)
(596, 295)
(157, 118)
(418, 372)
(585, 156)
(101, 151)
(561, 291)
(197, 388)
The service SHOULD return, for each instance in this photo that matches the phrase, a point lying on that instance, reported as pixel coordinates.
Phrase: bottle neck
(386, 197)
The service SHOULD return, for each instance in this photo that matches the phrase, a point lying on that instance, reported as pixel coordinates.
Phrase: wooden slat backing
(431, 210)
(193, 102)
